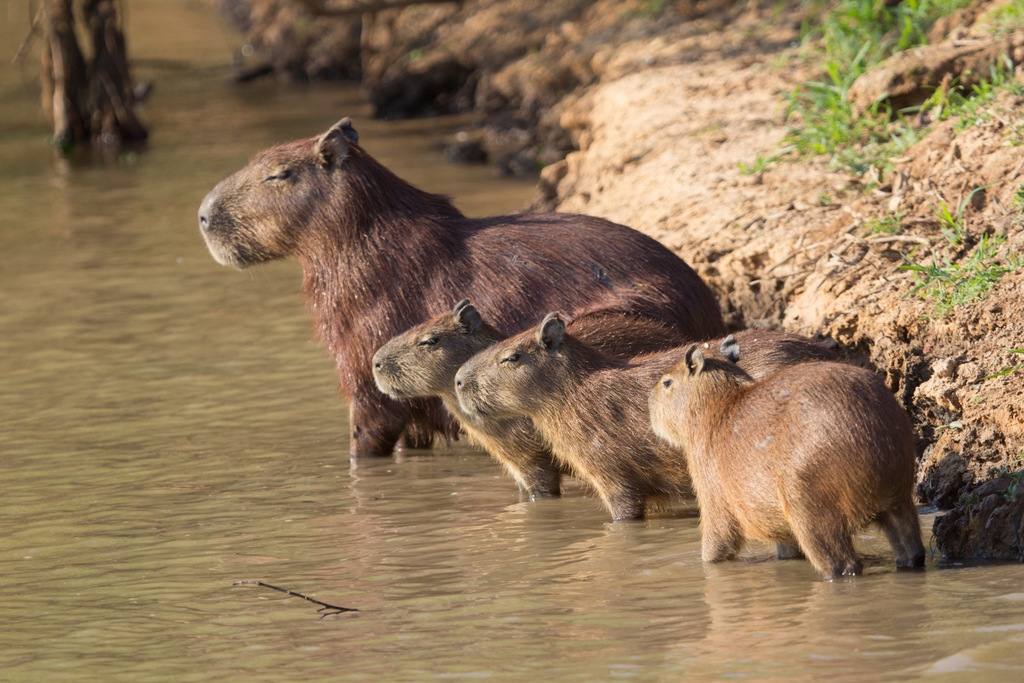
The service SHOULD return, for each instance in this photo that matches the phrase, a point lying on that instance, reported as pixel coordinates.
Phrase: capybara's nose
(204, 211)
(377, 364)
(458, 384)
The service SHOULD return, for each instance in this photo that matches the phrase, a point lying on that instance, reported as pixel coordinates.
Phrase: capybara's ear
(552, 330)
(730, 348)
(468, 316)
(693, 360)
(332, 147)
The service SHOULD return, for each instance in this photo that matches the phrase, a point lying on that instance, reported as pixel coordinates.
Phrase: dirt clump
(988, 523)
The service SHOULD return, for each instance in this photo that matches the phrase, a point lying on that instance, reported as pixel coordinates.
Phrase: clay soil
(644, 118)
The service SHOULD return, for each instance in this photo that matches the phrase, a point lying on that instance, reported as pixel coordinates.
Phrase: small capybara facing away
(379, 256)
(592, 409)
(422, 362)
(804, 457)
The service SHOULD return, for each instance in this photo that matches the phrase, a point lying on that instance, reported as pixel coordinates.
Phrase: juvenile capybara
(379, 255)
(422, 362)
(592, 408)
(804, 457)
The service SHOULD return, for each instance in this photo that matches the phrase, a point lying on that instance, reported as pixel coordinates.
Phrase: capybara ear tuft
(693, 360)
(552, 331)
(346, 127)
(468, 316)
(730, 348)
(332, 146)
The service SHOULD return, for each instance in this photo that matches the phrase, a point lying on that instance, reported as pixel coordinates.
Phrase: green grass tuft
(948, 285)
(969, 106)
(1006, 19)
(889, 224)
(856, 35)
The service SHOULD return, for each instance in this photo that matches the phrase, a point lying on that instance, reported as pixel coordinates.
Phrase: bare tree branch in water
(327, 608)
(33, 30)
(87, 102)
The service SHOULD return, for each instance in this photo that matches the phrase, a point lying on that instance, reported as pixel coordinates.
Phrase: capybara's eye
(511, 359)
(667, 382)
(284, 174)
(430, 341)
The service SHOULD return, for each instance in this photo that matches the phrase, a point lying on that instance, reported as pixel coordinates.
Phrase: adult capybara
(422, 363)
(379, 255)
(592, 408)
(806, 456)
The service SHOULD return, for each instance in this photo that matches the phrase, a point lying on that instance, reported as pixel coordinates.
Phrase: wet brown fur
(422, 362)
(804, 457)
(379, 256)
(592, 409)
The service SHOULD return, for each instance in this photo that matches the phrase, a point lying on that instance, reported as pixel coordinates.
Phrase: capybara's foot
(545, 491)
(538, 481)
(619, 515)
(716, 547)
(903, 529)
(849, 567)
(915, 561)
(365, 444)
(414, 439)
(625, 504)
(789, 551)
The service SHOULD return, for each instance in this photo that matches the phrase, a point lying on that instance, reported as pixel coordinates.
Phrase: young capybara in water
(592, 408)
(422, 362)
(379, 255)
(804, 457)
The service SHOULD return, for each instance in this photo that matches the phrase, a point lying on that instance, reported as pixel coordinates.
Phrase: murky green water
(167, 427)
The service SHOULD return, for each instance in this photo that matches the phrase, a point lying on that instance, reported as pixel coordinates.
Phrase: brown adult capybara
(422, 363)
(806, 456)
(379, 255)
(592, 408)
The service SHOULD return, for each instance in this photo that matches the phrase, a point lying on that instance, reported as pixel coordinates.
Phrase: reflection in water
(168, 427)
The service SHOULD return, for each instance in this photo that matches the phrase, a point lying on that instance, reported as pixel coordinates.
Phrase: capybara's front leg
(374, 428)
(828, 544)
(903, 530)
(717, 543)
(416, 434)
(720, 535)
(789, 551)
(538, 478)
(623, 502)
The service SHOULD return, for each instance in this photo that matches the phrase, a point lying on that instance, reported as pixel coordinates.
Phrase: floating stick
(332, 609)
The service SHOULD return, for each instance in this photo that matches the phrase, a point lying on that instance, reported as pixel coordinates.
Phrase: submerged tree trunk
(64, 77)
(87, 103)
(112, 101)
